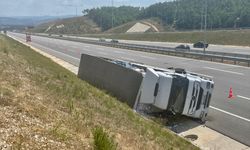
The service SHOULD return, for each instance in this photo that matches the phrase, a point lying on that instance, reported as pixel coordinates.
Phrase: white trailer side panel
(162, 98)
(148, 87)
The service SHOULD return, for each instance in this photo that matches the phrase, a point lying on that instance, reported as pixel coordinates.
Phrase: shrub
(102, 141)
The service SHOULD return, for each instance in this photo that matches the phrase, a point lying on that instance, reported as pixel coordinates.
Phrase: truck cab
(177, 91)
(198, 97)
(173, 90)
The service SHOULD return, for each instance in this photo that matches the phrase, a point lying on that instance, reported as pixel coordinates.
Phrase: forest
(179, 14)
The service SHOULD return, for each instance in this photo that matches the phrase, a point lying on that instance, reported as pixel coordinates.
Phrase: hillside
(189, 14)
(44, 106)
(121, 15)
(166, 16)
(20, 23)
(26, 21)
(181, 14)
(74, 25)
(155, 24)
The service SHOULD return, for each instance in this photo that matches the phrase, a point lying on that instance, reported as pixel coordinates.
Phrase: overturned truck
(161, 90)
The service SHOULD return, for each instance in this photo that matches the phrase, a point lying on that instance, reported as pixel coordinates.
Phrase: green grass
(72, 108)
(223, 37)
(102, 141)
(59, 133)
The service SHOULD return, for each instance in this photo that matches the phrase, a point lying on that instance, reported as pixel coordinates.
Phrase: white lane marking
(87, 50)
(148, 57)
(99, 48)
(46, 48)
(86, 46)
(243, 97)
(62, 47)
(126, 58)
(227, 71)
(119, 52)
(59, 52)
(102, 53)
(72, 46)
(72, 50)
(237, 116)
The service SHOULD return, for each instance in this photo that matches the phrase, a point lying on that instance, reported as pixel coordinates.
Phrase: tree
(181, 14)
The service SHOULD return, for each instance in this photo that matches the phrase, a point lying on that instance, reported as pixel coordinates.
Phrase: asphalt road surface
(213, 48)
(228, 116)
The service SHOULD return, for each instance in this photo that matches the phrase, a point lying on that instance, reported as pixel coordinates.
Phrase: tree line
(179, 14)
(103, 16)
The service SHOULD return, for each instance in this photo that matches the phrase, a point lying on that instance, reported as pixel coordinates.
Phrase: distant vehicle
(102, 40)
(60, 35)
(182, 47)
(28, 37)
(49, 34)
(114, 41)
(200, 44)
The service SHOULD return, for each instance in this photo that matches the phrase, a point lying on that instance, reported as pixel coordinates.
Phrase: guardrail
(231, 58)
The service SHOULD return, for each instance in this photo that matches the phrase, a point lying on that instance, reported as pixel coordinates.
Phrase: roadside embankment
(45, 106)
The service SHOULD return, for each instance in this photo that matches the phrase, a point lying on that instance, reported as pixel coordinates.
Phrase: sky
(10, 8)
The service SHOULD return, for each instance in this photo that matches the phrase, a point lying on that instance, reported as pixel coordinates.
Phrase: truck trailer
(158, 90)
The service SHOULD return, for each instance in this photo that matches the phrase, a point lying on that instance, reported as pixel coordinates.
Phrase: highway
(213, 48)
(228, 116)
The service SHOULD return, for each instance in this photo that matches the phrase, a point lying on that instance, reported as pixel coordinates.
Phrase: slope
(44, 106)
(74, 25)
(155, 24)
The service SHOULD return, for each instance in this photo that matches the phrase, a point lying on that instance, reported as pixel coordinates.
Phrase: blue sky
(60, 7)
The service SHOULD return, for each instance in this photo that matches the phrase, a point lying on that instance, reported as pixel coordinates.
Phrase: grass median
(44, 106)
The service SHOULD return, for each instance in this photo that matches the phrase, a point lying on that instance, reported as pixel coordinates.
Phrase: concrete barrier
(121, 82)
